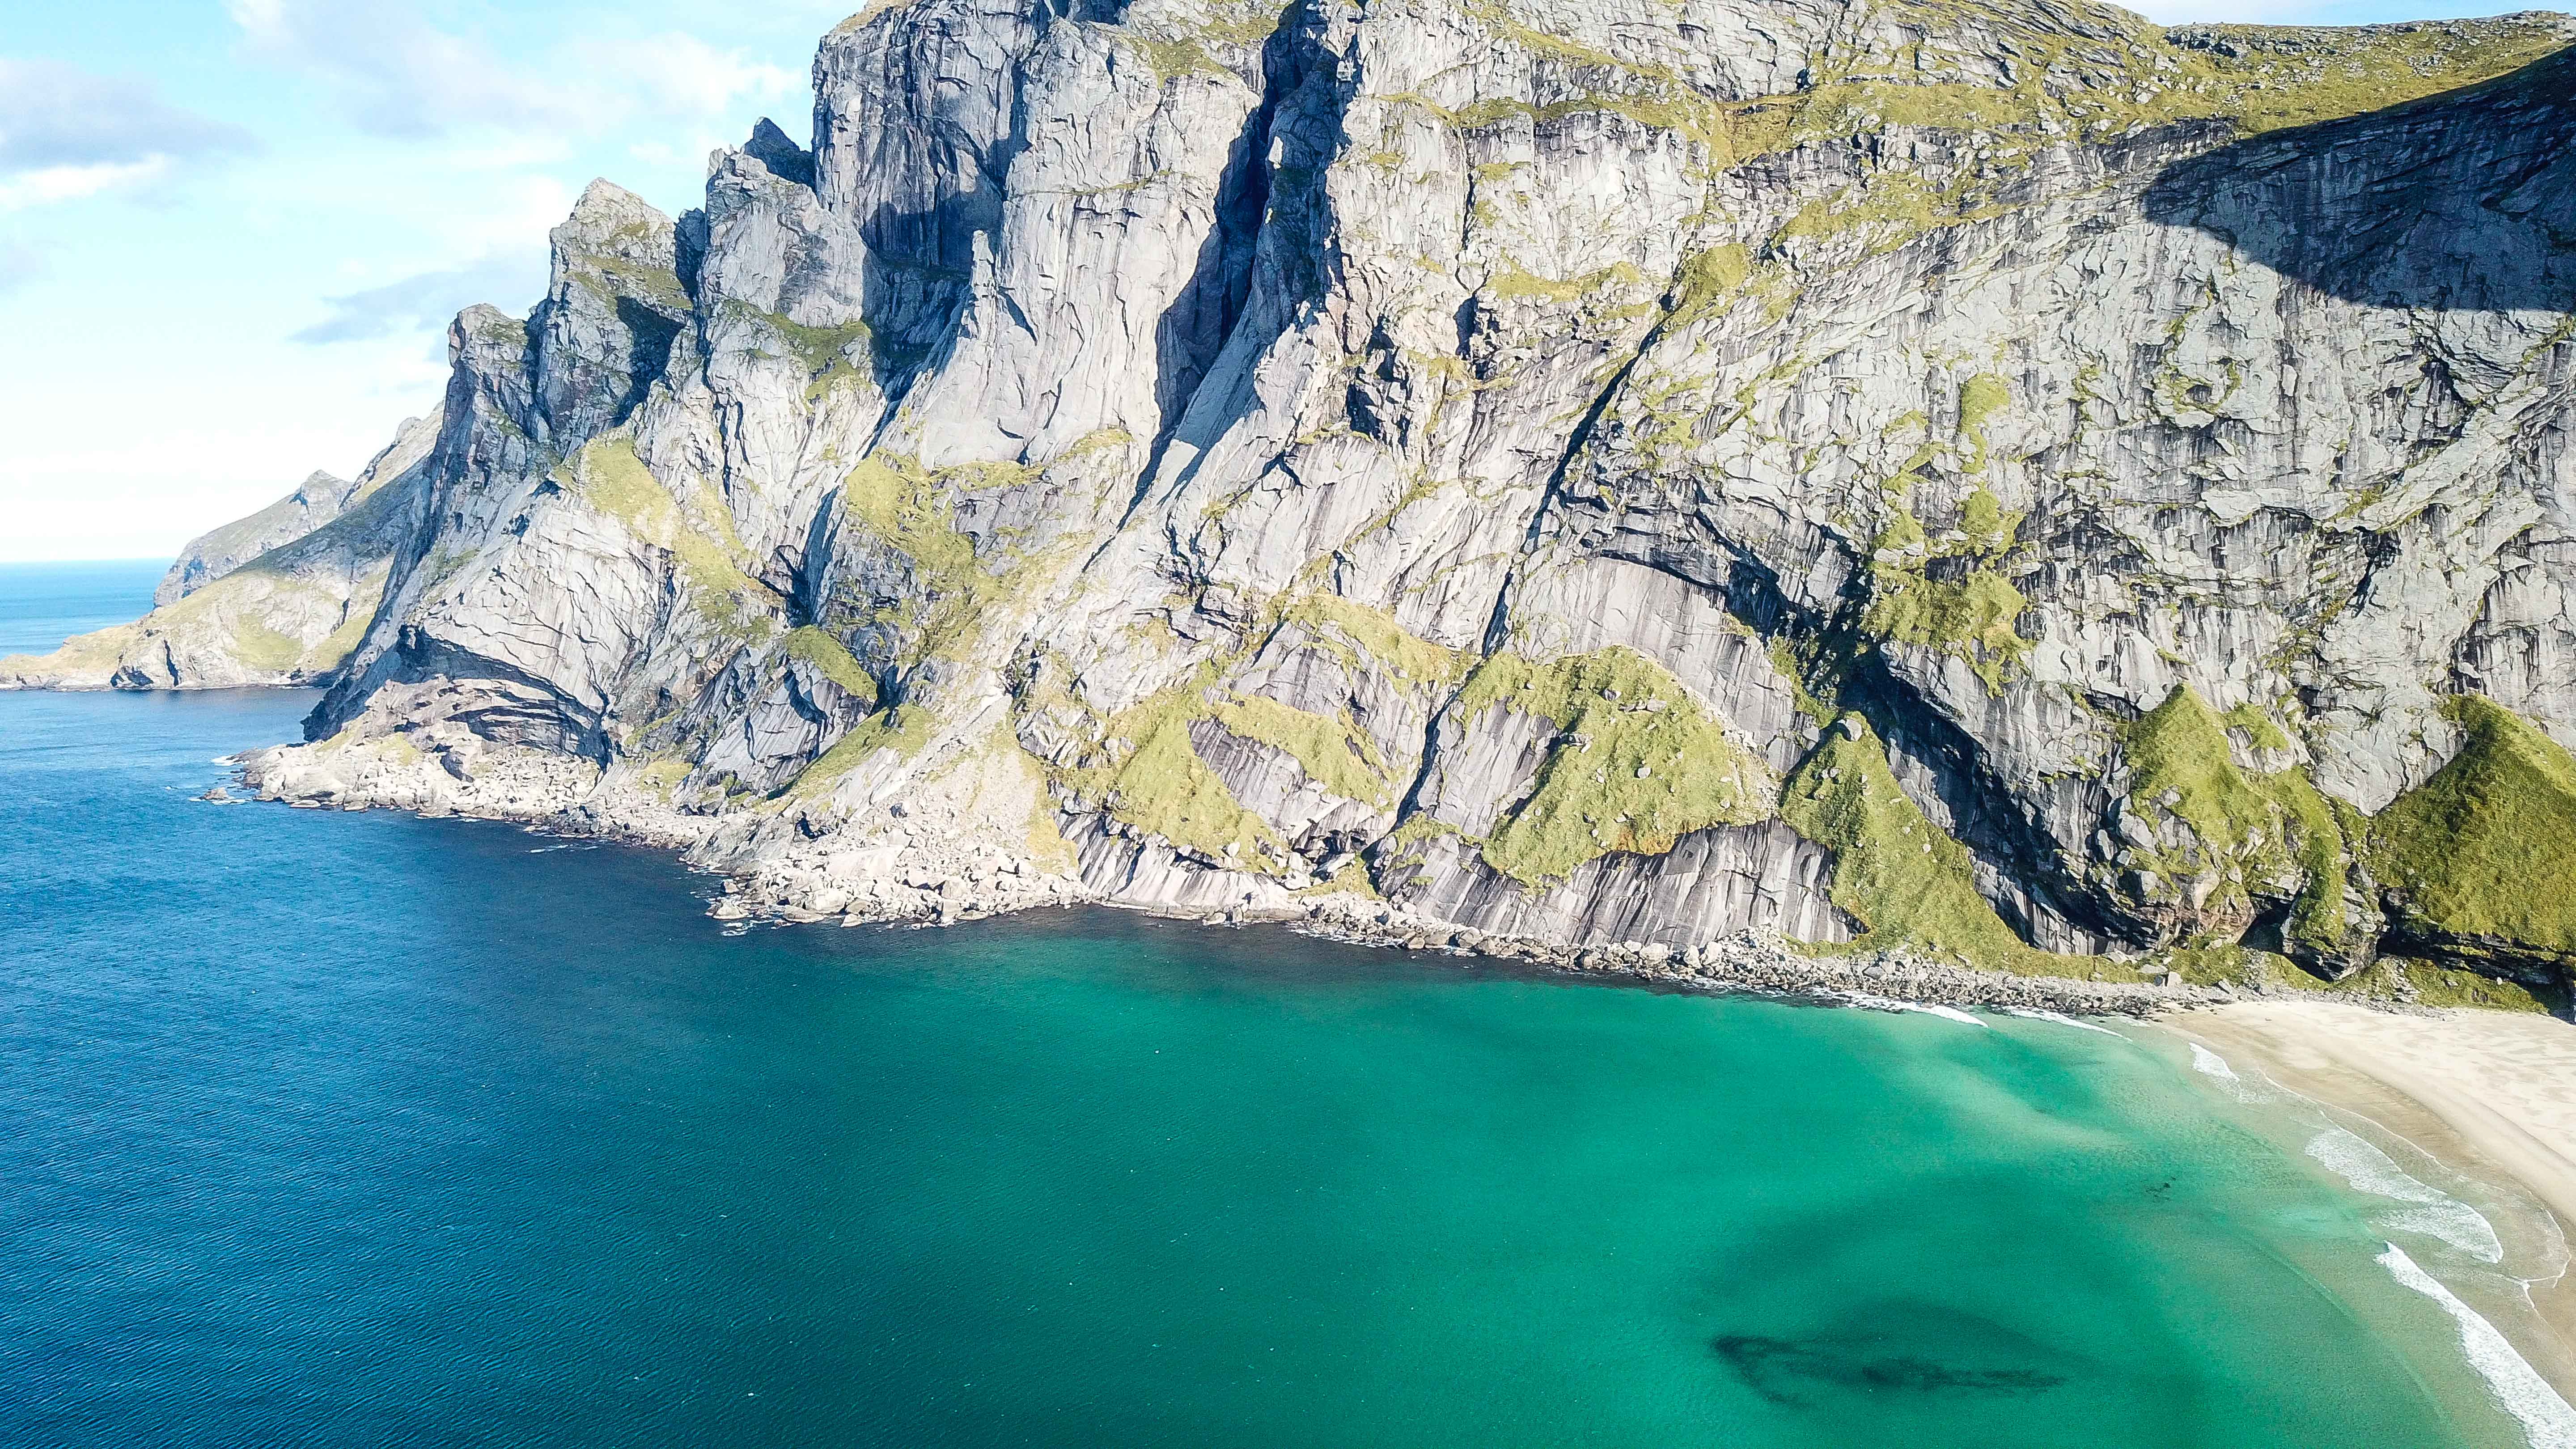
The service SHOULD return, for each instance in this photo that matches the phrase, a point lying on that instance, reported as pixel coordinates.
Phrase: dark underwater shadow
(1916, 1349)
(2461, 201)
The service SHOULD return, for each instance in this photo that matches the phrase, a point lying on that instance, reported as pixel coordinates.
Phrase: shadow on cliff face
(2464, 201)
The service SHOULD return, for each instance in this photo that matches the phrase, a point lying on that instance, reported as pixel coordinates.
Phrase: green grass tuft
(2258, 833)
(713, 563)
(2480, 856)
(827, 654)
(1353, 629)
(904, 729)
(1971, 614)
(1905, 881)
(1336, 753)
(1640, 763)
(1164, 787)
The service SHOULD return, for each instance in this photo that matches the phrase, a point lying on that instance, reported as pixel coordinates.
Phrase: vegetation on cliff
(2478, 858)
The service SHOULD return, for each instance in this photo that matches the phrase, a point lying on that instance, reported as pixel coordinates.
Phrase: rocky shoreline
(1761, 963)
(913, 878)
(1588, 478)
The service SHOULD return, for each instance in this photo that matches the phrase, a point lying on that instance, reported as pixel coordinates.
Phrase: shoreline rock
(923, 885)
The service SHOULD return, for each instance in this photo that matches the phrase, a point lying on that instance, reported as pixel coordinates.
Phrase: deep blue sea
(42, 604)
(357, 1129)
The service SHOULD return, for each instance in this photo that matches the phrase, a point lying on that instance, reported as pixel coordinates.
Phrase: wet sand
(2490, 1095)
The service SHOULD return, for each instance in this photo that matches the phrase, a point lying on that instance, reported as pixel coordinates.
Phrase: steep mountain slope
(278, 598)
(2012, 482)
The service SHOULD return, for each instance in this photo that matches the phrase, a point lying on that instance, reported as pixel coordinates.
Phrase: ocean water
(341, 1128)
(42, 604)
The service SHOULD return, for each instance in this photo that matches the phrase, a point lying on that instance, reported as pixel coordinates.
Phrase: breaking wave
(1890, 1003)
(2061, 1018)
(2431, 1211)
(2546, 1419)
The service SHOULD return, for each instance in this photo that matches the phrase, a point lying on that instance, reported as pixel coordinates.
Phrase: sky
(232, 231)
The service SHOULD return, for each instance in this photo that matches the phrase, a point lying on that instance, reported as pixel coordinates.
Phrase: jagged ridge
(1208, 456)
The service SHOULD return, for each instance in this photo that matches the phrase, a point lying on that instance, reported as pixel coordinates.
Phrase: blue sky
(232, 231)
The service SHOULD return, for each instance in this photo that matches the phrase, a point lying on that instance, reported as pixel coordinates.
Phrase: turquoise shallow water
(358, 1129)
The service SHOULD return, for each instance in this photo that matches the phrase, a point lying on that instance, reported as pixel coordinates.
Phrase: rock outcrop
(2008, 483)
(315, 502)
(278, 598)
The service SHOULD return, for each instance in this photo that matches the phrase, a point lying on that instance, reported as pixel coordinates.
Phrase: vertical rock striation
(2015, 482)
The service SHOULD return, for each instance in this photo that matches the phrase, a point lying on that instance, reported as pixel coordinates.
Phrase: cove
(356, 1128)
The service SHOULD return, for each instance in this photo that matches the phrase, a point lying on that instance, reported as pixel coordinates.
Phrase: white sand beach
(2488, 1094)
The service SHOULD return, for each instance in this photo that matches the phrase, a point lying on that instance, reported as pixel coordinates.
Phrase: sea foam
(2546, 1419)
(2061, 1018)
(2433, 1212)
(1890, 1003)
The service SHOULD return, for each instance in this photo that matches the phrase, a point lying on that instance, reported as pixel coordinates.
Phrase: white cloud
(20, 265)
(515, 213)
(681, 77)
(22, 189)
(66, 133)
(425, 301)
(399, 75)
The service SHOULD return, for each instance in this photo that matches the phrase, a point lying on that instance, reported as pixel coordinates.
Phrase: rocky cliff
(2013, 482)
(279, 598)
(316, 501)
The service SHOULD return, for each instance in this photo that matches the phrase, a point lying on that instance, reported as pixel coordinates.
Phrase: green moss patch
(1980, 398)
(1354, 630)
(1971, 617)
(1640, 762)
(1971, 613)
(1154, 779)
(1045, 840)
(904, 729)
(98, 651)
(914, 509)
(2260, 729)
(2214, 960)
(2426, 983)
(826, 353)
(237, 609)
(2182, 767)
(1166, 788)
(332, 654)
(713, 563)
(2093, 80)
(1509, 281)
(1336, 753)
(1889, 210)
(829, 657)
(1143, 770)
(662, 777)
(1905, 881)
(2481, 855)
(2387, 980)
(2253, 830)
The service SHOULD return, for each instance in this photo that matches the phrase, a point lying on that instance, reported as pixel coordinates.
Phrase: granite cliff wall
(2018, 483)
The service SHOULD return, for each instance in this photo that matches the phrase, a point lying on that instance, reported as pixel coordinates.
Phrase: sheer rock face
(1468, 452)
